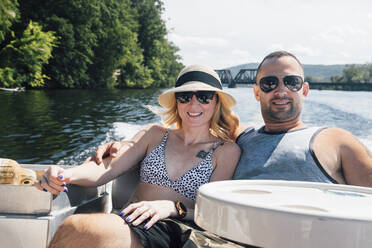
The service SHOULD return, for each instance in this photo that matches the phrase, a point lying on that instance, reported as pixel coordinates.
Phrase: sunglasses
(293, 83)
(204, 97)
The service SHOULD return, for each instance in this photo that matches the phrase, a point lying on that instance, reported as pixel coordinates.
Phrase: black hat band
(198, 76)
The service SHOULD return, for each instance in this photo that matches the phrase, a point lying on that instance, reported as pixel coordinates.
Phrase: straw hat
(196, 78)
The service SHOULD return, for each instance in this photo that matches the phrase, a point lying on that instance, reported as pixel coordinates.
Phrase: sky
(224, 33)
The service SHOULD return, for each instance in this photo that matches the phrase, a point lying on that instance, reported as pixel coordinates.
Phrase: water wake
(119, 131)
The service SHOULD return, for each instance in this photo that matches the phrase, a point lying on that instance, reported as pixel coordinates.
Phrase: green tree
(8, 15)
(352, 74)
(151, 27)
(312, 79)
(21, 61)
(101, 43)
(165, 65)
(355, 74)
(369, 73)
(337, 79)
(159, 54)
(72, 20)
(117, 47)
(133, 74)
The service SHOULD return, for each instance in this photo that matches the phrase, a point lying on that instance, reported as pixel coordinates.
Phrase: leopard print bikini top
(153, 170)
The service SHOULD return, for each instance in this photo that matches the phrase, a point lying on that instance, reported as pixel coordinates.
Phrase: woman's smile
(194, 114)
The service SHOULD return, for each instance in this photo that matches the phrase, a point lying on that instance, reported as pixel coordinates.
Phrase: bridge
(248, 76)
(244, 76)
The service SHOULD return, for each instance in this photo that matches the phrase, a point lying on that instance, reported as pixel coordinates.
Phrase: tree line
(85, 44)
(354, 74)
(361, 73)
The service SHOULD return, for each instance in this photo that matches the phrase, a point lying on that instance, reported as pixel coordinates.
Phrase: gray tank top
(280, 156)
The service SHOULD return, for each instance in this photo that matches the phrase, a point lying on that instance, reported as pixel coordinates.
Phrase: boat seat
(123, 187)
(30, 217)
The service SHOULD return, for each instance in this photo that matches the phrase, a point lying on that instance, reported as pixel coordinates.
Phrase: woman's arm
(89, 174)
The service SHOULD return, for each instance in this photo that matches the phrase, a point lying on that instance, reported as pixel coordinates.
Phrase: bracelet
(181, 209)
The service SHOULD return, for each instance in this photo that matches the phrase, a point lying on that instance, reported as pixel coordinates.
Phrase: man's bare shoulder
(335, 135)
(241, 128)
(334, 140)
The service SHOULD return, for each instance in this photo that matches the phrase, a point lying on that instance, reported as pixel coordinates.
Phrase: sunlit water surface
(65, 126)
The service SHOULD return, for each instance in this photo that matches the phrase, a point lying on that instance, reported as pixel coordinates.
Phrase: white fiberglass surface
(337, 201)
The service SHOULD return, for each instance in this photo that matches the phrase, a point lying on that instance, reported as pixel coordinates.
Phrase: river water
(65, 126)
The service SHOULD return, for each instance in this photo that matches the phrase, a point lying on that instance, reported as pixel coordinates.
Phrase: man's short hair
(277, 55)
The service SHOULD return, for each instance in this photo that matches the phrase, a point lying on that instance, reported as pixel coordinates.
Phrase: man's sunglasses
(204, 97)
(294, 83)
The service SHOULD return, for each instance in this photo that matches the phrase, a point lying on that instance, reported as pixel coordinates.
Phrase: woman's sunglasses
(204, 97)
(294, 83)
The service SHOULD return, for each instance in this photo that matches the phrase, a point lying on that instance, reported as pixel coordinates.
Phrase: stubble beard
(273, 116)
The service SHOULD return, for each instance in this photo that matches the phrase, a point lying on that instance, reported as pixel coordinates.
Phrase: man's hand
(106, 150)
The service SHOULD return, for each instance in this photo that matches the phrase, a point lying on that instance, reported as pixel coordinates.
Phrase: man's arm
(356, 160)
(344, 157)
(107, 150)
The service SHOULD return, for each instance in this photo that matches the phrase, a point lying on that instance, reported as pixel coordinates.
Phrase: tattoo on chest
(202, 154)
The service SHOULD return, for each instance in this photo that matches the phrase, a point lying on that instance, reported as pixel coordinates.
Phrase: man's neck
(283, 126)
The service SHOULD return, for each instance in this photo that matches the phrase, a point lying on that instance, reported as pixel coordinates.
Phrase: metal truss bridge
(244, 76)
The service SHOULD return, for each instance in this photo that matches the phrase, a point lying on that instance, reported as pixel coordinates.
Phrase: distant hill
(318, 71)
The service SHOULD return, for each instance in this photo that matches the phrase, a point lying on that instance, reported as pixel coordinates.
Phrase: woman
(174, 164)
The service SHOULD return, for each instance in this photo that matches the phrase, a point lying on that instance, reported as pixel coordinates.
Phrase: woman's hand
(54, 180)
(138, 212)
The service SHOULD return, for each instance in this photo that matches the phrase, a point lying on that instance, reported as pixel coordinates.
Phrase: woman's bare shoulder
(229, 146)
(154, 132)
(227, 157)
(153, 127)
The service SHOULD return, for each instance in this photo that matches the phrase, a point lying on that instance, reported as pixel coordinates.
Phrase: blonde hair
(223, 122)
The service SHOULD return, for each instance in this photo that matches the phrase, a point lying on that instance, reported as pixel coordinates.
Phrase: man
(285, 148)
